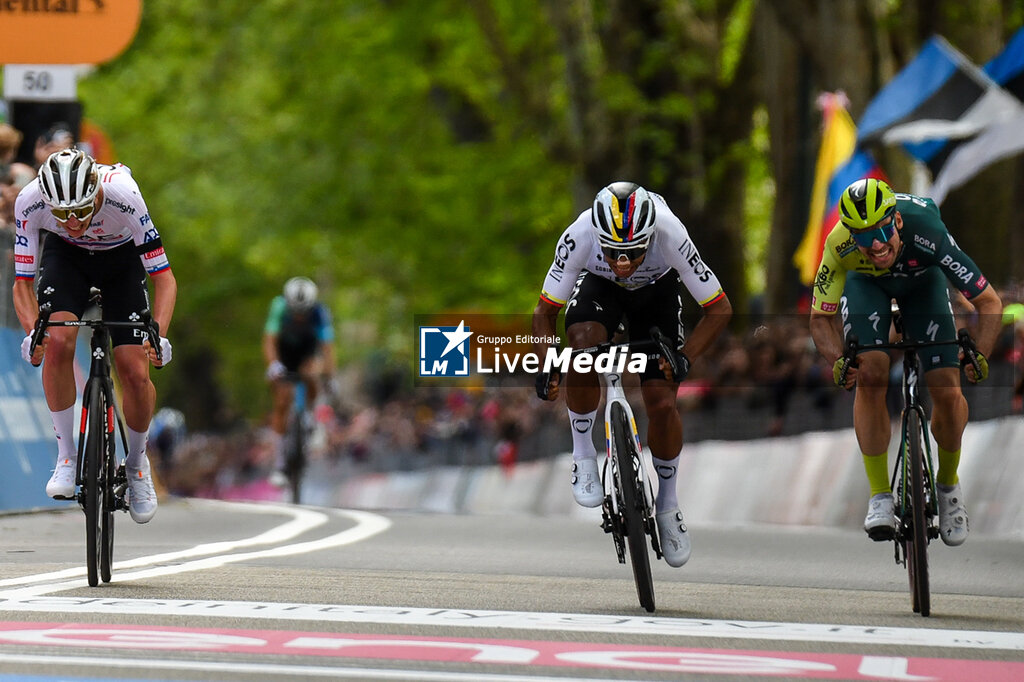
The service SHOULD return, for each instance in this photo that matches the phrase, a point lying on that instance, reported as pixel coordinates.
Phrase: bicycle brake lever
(669, 353)
(851, 355)
(970, 350)
(37, 334)
(153, 334)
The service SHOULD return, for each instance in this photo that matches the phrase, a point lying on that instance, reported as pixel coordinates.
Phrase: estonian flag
(939, 95)
(955, 162)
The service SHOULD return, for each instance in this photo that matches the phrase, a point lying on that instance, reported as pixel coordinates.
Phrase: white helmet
(623, 216)
(68, 179)
(300, 293)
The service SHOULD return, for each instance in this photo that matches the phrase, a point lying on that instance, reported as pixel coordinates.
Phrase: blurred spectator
(166, 433)
(58, 137)
(13, 177)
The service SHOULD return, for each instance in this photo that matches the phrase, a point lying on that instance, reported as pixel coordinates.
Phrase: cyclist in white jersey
(99, 235)
(623, 261)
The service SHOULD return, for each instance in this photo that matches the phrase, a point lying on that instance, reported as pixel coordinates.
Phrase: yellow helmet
(865, 203)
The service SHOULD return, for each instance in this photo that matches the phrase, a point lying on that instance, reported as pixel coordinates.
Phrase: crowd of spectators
(765, 381)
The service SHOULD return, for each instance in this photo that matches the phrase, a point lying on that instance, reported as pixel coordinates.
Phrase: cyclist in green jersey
(895, 246)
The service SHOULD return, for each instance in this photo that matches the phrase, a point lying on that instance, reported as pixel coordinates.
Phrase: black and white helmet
(68, 179)
(300, 293)
(623, 216)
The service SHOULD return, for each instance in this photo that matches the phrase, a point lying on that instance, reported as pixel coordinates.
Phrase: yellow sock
(949, 462)
(877, 468)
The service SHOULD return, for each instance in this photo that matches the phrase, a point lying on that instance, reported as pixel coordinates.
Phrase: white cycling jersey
(670, 248)
(122, 218)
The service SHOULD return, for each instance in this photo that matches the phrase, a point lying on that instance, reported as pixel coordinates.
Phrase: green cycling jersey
(926, 243)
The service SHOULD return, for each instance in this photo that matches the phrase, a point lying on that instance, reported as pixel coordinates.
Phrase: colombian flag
(838, 165)
(838, 140)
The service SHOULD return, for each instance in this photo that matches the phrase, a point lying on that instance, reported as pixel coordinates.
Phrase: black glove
(543, 383)
(683, 366)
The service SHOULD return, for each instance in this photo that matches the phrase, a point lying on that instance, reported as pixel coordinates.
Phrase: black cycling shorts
(296, 343)
(660, 304)
(67, 272)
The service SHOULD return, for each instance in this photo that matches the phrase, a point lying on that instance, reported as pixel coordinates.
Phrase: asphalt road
(217, 591)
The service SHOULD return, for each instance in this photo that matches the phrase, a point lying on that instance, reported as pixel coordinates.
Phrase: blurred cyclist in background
(298, 340)
(626, 259)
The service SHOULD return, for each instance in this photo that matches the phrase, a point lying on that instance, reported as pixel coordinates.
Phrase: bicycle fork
(902, 472)
(612, 515)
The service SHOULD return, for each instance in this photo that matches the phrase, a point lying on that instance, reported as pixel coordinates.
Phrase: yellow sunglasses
(82, 212)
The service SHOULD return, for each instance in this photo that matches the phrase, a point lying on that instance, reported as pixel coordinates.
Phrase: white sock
(136, 447)
(64, 429)
(666, 469)
(582, 438)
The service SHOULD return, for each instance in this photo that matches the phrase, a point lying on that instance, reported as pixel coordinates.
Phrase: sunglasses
(882, 233)
(612, 253)
(63, 214)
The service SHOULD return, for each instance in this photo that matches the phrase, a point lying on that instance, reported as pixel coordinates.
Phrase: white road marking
(524, 621)
(367, 525)
(29, 596)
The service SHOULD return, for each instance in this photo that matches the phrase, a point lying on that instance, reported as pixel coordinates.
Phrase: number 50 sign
(67, 31)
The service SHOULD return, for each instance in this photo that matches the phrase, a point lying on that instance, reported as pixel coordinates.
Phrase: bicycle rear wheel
(627, 480)
(916, 542)
(93, 503)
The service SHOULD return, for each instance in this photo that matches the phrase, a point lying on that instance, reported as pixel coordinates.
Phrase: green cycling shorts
(924, 303)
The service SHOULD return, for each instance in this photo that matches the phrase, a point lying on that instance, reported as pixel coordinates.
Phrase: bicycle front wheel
(94, 453)
(106, 484)
(916, 542)
(295, 458)
(627, 480)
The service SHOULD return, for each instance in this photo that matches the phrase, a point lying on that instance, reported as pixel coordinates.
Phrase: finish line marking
(527, 621)
(337, 649)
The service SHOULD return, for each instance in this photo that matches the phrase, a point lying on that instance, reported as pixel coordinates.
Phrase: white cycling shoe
(141, 494)
(672, 535)
(587, 489)
(61, 485)
(880, 522)
(952, 515)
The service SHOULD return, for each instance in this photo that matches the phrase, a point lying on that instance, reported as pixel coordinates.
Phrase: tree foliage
(423, 157)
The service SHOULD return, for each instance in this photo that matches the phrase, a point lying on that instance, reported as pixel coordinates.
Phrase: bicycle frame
(295, 436)
(900, 480)
(616, 394)
(99, 371)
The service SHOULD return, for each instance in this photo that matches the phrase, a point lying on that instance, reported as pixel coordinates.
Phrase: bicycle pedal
(882, 533)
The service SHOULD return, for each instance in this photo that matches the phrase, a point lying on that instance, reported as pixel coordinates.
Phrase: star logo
(444, 351)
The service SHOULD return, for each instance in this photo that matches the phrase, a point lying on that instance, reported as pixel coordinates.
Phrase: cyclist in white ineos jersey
(99, 235)
(624, 261)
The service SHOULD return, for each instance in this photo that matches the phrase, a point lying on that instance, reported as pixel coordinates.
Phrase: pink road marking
(750, 663)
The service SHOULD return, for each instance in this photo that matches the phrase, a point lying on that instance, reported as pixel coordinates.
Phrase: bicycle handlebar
(678, 362)
(963, 339)
(145, 323)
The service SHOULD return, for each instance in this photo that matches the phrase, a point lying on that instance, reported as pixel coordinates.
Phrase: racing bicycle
(628, 507)
(100, 480)
(913, 476)
(295, 437)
